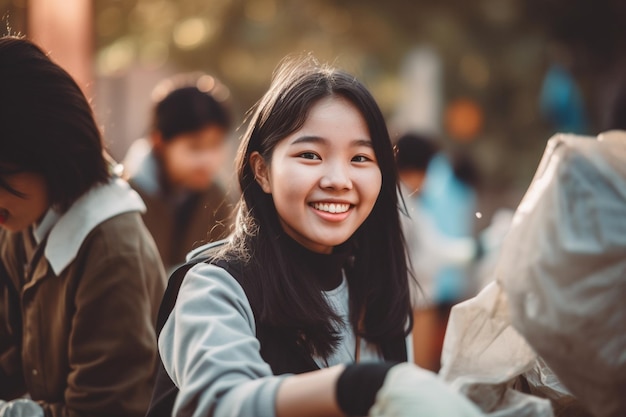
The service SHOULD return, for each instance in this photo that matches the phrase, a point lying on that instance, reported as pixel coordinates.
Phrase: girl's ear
(261, 171)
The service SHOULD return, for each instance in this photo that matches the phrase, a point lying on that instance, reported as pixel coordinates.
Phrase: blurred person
(561, 100)
(429, 249)
(449, 199)
(176, 175)
(413, 153)
(80, 276)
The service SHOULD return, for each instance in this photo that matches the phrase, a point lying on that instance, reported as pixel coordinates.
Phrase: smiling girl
(315, 276)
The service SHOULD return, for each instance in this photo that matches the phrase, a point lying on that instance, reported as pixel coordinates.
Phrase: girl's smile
(324, 178)
(332, 211)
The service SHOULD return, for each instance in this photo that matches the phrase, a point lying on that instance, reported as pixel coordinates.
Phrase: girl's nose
(336, 177)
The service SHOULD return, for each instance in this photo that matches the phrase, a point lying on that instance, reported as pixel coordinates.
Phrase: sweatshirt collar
(67, 231)
(326, 269)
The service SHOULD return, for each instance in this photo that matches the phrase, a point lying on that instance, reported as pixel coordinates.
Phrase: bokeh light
(190, 33)
(463, 119)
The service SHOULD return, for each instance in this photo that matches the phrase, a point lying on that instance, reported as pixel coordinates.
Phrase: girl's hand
(410, 391)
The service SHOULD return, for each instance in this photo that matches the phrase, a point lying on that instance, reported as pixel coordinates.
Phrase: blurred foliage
(493, 52)
(12, 17)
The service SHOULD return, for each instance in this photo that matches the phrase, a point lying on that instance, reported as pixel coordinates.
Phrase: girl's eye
(309, 155)
(361, 158)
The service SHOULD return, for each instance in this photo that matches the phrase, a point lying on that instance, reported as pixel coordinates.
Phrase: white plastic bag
(563, 267)
(483, 356)
(410, 391)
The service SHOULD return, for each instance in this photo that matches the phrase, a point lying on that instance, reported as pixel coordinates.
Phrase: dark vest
(281, 356)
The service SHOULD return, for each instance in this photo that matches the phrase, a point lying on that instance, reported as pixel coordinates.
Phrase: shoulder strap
(164, 392)
(199, 255)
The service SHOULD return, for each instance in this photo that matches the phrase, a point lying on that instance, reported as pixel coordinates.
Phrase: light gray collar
(43, 228)
(71, 228)
(146, 176)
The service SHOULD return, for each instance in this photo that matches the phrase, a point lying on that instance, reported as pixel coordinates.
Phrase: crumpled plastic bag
(563, 267)
(485, 358)
(410, 391)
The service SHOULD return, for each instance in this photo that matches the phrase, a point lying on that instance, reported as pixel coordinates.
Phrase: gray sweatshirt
(210, 351)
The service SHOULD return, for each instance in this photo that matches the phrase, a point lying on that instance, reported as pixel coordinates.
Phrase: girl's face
(19, 212)
(324, 178)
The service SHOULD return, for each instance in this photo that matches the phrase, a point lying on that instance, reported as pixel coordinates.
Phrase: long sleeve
(112, 343)
(83, 322)
(209, 349)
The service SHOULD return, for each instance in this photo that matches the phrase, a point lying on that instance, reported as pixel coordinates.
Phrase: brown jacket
(208, 218)
(177, 228)
(82, 342)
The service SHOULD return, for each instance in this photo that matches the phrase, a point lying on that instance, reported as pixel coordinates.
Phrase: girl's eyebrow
(322, 141)
(362, 142)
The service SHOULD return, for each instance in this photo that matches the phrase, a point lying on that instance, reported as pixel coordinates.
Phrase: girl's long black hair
(281, 294)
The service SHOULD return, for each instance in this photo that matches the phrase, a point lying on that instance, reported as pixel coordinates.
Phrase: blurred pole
(420, 103)
(64, 28)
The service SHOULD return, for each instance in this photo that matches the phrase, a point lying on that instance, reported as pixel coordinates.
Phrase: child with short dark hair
(80, 276)
(176, 175)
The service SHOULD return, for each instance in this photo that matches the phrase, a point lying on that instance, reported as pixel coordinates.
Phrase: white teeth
(332, 207)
